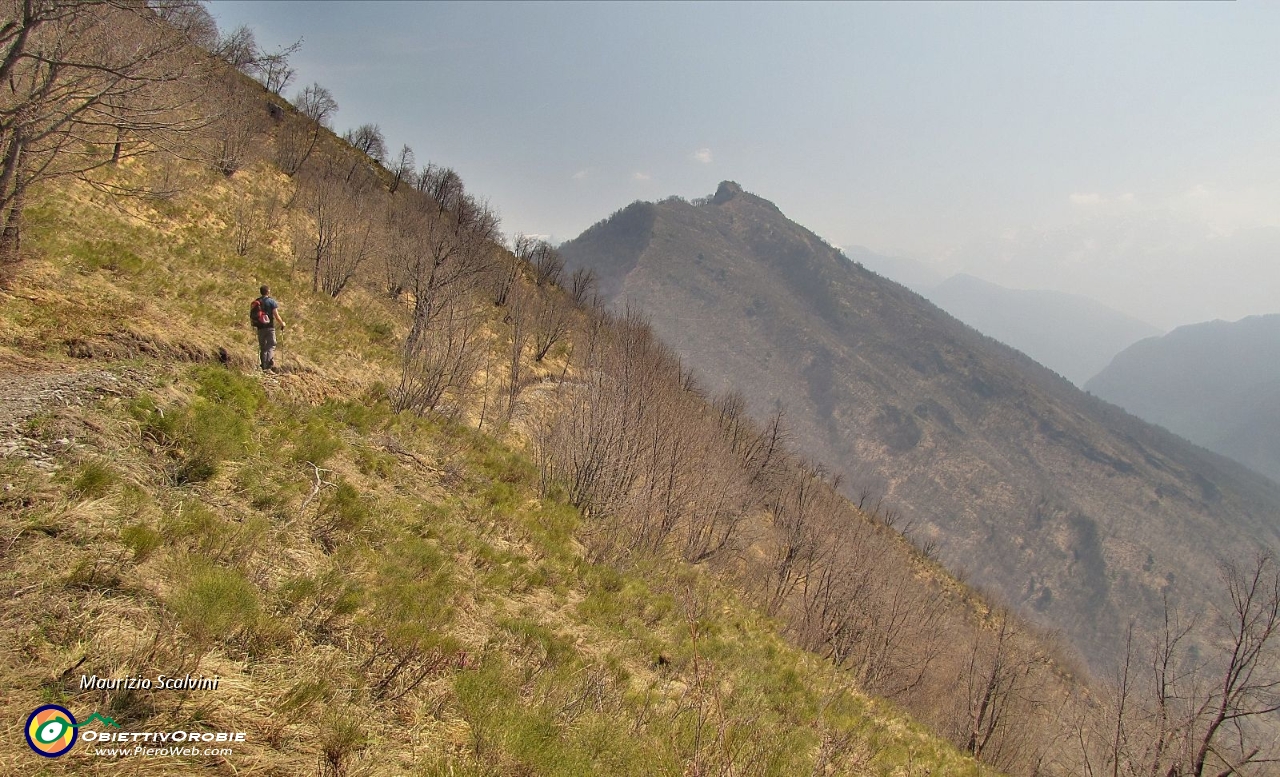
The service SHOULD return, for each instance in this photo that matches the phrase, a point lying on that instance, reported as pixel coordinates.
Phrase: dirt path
(27, 397)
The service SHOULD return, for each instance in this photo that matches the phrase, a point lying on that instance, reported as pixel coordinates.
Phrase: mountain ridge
(1216, 383)
(1074, 335)
(910, 403)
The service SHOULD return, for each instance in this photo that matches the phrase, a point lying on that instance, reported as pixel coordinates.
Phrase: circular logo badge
(51, 730)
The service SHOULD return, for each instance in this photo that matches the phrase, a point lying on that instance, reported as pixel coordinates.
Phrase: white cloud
(702, 155)
(1092, 198)
(582, 174)
(641, 177)
(539, 236)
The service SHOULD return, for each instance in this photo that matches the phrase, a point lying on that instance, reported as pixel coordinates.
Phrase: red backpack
(258, 315)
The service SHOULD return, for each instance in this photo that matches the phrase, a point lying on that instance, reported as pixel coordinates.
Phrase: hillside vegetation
(380, 592)
(476, 523)
(361, 547)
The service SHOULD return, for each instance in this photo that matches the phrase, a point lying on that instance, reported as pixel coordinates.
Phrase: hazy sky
(1128, 151)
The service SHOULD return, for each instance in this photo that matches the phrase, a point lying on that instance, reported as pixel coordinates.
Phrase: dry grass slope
(380, 593)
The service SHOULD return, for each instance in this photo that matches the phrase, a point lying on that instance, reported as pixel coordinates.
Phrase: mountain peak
(958, 432)
(726, 191)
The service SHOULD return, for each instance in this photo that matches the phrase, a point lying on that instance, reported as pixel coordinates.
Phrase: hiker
(264, 314)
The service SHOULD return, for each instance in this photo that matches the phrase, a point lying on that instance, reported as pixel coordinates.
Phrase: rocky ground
(33, 405)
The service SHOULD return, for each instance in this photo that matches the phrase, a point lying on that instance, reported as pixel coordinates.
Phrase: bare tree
(797, 506)
(254, 217)
(547, 264)
(402, 168)
(368, 138)
(441, 362)
(274, 70)
(1206, 704)
(298, 138)
(1001, 691)
(239, 48)
(442, 185)
(543, 261)
(443, 266)
(582, 286)
(1245, 688)
(589, 442)
(506, 271)
(720, 499)
(518, 316)
(551, 319)
(455, 252)
(317, 103)
(239, 121)
(85, 84)
(191, 19)
(340, 237)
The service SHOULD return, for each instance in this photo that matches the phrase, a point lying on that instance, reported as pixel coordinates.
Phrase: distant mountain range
(912, 273)
(1080, 514)
(1217, 384)
(1073, 335)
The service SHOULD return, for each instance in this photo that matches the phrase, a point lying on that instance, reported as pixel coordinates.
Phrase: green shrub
(342, 513)
(94, 573)
(93, 481)
(134, 501)
(375, 463)
(212, 428)
(315, 444)
(380, 332)
(405, 622)
(324, 597)
(305, 693)
(110, 256)
(231, 390)
(341, 738)
(202, 435)
(413, 595)
(543, 647)
(141, 539)
(199, 529)
(213, 602)
(264, 491)
(552, 527)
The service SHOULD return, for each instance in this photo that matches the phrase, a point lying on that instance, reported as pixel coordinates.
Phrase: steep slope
(1072, 335)
(377, 593)
(1072, 510)
(1216, 383)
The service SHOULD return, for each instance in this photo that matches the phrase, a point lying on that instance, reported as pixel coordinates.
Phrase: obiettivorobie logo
(52, 729)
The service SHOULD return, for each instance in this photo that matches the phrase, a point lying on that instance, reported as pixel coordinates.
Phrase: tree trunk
(115, 150)
(10, 241)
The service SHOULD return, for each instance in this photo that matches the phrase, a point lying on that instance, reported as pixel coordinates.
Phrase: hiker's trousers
(267, 346)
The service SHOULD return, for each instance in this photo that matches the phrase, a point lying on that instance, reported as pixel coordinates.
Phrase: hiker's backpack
(258, 315)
